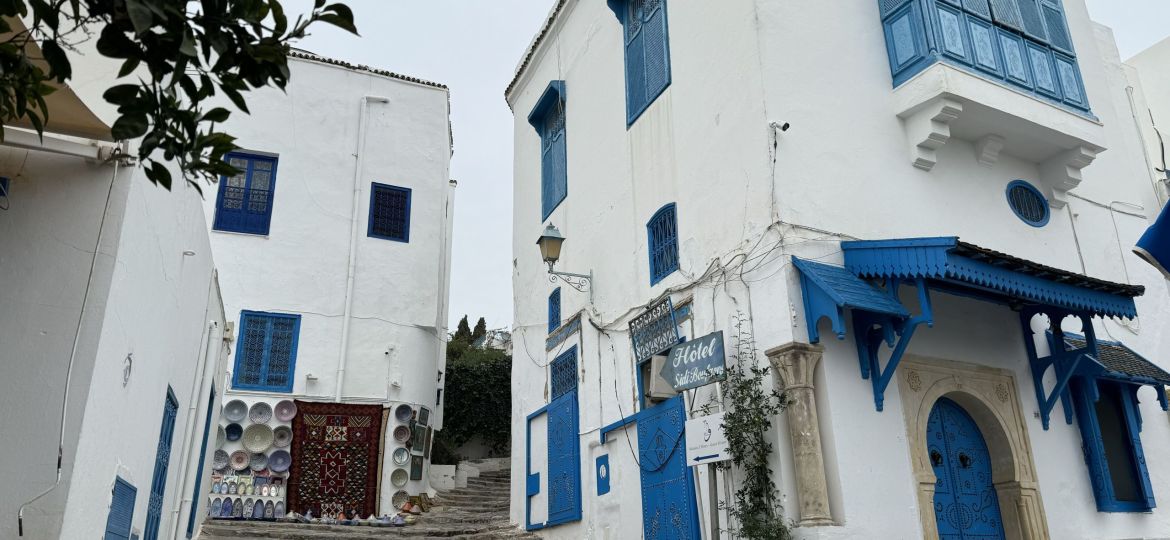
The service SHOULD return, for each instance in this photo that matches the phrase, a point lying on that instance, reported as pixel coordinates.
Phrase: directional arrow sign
(706, 440)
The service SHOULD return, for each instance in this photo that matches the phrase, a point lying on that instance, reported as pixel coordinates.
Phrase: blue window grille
(244, 203)
(548, 118)
(195, 497)
(554, 310)
(162, 461)
(647, 46)
(121, 514)
(389, 213)
(1023, 43)
(1111, 427)
(1028, 203)
(662, 235)
(266, 351)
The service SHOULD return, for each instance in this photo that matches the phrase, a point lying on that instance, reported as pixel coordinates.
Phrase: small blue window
(266, 351)
(389, 213)
(244, 203)
(1111, 435)
(121, 510)
(1028, 203)
(662, 234)
(554, 310)
(647, 46)
(548, 118)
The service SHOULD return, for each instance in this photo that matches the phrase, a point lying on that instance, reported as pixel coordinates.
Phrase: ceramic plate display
(286, 410)
(418, 435)
(220, 437)
(258, 437)
(424, 416)
(216, 505)
(400, 498)
(282, 437)
(403, 413)
(402, 434)
(401, 456)
(258, 462)
(269, 510)
(260, 413)
(248, 505)
(220, 461)
(263, 491)
(233, 432)
(399, 477)
(258, 510)
(240, 460)
(416, 468)
(278, 512)
(279, 461)
(235, 410)
(226, 509)
(237, 508)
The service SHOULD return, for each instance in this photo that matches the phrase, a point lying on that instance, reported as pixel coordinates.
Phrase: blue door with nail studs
(564, 443)
(668, 490)
(965, 503)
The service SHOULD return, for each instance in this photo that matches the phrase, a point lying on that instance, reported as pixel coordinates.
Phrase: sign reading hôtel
(696, 363)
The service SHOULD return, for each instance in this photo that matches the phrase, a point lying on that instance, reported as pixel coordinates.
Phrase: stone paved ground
(479, 510)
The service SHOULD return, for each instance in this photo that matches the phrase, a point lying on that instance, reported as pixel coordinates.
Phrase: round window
(1028, 203)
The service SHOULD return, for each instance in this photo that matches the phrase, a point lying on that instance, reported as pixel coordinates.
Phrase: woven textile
(336, 452)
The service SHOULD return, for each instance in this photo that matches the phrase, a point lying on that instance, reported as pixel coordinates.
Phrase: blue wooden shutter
(635, 60)
(196, 497)
(233, 194)
(553, 159)
(250, 351)
(1134, 425)
(121, 515)
(657, 49)
(1091, 445)
(261, 178)
(554, 310)
(162, 461)
(1058, 35)
(281, 352)
(564, 442)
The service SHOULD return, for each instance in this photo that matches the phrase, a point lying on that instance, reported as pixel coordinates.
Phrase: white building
(1150, 66)
(334, 251)
(111, 329)
(700, 151)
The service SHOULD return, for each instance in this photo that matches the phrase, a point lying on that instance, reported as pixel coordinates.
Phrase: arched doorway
(965, 502)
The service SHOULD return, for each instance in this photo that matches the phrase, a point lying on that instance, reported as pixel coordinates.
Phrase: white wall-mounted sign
(706, 441)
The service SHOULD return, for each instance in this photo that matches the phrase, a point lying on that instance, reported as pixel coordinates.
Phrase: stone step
(302, 531)
(473, 498)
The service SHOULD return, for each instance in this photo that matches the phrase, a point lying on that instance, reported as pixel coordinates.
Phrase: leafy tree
(462, 332)
(191, 52)
(480, 330)
(477, 397)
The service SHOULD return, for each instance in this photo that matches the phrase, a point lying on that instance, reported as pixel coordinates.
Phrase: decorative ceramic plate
(258, 437)
(403, 413)
(220, 461)
(282, 437)
(400, 497)
(260, 413)
(402, 434)
(235, 410)
(278, 512)
(286, 410)
(279, 461)
(248, 505)
(401, 456)
(269, 510)
(216, 506)
(264, 491)
(399, 477)
(237, 508)
(226, 509)
(258, 462)
(240, 460)
(233, 432)
(220, 437)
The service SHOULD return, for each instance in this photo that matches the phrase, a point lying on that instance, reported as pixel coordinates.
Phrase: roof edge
(554, 15)
(314, 57)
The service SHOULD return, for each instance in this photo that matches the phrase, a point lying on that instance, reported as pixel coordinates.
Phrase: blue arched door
(965, 504)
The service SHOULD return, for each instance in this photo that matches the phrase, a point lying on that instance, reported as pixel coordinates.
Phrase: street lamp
(550, 251)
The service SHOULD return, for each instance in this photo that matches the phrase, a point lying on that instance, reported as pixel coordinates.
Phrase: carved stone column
(795, 364)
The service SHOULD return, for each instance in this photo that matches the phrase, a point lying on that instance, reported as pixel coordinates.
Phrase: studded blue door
(668, 492)
(162, 460)
(965, 504)
(564, 447)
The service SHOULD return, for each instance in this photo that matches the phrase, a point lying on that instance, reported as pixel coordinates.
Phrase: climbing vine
(751, 405)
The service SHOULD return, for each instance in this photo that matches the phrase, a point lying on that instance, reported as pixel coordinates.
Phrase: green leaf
(159, 174)
(58, 61)
(128, 127)
(218, 114)
(141, 15)
(122, 94)
(188, 45)
(128, 67)
(339, 15)
(235, 96)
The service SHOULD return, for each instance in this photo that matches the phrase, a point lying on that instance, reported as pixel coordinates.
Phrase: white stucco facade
(858, 160)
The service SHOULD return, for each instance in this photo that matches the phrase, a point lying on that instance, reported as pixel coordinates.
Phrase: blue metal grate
(662, 235)
(266, 351)
(554, 310)
(564, 373)
(162, 463)
(389, 213)
(1028, 203)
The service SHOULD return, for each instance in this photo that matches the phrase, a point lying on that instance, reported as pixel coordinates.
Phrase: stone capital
(795, 363)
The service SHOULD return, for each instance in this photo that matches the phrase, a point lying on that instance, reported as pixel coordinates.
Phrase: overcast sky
(473, 47)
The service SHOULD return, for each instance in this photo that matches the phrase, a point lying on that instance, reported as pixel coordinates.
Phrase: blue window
(662, 235)
(548, 118)
(1111, 436)
(266, 351)
(121, 511)
(554, 310)
(244, 203)
(1028, 203)
(647, 47)
(162, 461)
(389, 213)
(1025, 43)
(195, 498)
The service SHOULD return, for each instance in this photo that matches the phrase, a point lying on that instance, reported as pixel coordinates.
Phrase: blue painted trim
(162, 466)
(828, 290)
(631, 419)
(603, 481)
(563, 333)
(1085, 394)
(375, 187)
(195, 497)
(1035, 193)
(871, 329)
(292, 360)
(658, 274)
(554, 310)
(531, 481)
(553, 93)
(224, 224)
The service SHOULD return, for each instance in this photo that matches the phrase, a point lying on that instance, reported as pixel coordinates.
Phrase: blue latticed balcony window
(1025, 44)
(244, 202)
(554, 310)
(266, 351)
(389, 213)
(662, 235)
(647, 47)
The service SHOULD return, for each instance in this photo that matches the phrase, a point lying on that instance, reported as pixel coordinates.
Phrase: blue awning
(1121, 362)
(828, 290)
(1015, 280)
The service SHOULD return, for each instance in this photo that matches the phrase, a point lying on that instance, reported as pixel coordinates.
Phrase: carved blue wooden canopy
(950, 265)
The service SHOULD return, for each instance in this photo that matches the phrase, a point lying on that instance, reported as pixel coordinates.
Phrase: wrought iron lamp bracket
(579, 282)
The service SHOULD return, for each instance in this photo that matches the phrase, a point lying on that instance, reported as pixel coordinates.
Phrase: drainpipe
(182, 496)
(358, 152)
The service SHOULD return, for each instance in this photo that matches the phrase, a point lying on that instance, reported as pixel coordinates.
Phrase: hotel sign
(696, 363)
(654, 331)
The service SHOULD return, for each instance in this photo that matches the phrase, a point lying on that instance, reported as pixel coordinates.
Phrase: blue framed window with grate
(389, 213)
(554, 310)
(548, 119)
(647, 48)
(1028, 203)
(244, 202)
(121, 514)
(266, 351)
(162, 464)
(662, 236)
(1110, 425)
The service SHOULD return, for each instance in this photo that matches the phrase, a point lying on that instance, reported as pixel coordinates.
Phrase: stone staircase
(479, 510)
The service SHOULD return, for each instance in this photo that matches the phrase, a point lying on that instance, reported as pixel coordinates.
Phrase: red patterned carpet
(335, 457)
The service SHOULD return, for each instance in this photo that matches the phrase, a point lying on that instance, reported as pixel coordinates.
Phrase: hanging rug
(335, 457)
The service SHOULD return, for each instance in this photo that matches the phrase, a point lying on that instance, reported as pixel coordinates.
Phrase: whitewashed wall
(842, 170)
